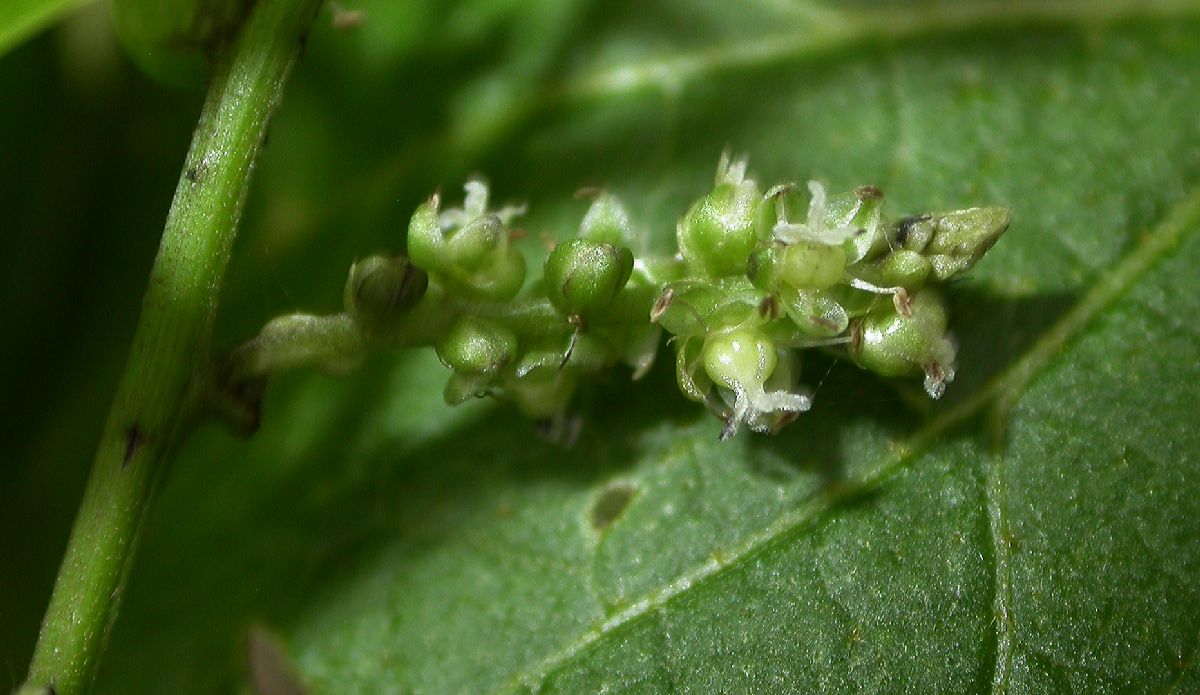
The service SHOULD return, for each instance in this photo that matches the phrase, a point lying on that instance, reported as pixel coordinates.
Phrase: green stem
(154, 405)
(334, 342)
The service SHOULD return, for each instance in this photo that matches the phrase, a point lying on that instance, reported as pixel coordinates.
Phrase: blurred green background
(397, 545)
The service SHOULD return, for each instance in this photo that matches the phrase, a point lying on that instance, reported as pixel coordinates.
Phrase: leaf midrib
(1001, 393)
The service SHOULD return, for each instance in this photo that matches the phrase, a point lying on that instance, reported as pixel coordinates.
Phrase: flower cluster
(759, 277)
(814, 281)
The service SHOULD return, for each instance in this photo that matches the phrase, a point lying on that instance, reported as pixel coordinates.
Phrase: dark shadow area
(993, 332)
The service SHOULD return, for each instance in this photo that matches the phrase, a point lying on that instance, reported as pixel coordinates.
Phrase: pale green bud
(961, 238)
(742, 361)
(738, 358)
(719, 232)
(809, 265)
(473, 246)
(426, 243)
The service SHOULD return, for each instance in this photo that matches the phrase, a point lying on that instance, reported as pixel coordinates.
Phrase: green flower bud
(583, 277)
(607, 221)
(952, 241)
(476, 346)
(890, 344)
(719, 232)
(467, 249)
(675, 313)
(472, 246)
(961, 238)
(380, 289)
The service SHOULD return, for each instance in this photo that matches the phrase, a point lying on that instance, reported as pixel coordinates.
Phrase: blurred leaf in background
(1038, 530)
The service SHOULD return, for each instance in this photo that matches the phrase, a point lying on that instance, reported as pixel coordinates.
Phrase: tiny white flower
(759, 408)
(816, 227)
(739, 362)
(475, 206)
(731, 171)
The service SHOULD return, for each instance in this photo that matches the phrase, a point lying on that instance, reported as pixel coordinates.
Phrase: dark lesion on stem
(134, 440)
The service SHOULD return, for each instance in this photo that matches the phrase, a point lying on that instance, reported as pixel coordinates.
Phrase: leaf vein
(997, 508)
(832, 33)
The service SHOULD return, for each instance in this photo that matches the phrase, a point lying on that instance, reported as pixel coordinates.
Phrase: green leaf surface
(1038, 530)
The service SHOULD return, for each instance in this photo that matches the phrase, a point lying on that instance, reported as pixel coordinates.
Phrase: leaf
(1038, 530)
(20, 19)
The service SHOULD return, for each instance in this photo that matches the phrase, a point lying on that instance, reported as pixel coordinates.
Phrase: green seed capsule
(808, 265)
(739, 358)
(583, 277)
(380, 289)
(890, 344)
(475, 346)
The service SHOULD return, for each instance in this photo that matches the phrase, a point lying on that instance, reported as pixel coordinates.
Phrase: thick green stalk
(154, 403)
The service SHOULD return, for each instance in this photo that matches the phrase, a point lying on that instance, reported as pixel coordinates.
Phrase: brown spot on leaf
(610, 505)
